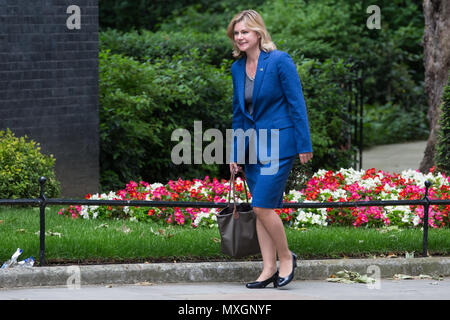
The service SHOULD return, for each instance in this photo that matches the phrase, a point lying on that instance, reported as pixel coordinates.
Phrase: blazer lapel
(260, 70)
(259, 76)
(241, 86)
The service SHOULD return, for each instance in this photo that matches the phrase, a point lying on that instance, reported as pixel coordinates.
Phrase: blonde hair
(254, 22)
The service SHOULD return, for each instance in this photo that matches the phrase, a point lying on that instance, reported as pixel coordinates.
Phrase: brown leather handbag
(237, 226)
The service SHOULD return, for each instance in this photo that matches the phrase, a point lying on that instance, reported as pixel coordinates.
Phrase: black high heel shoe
(282, 281)
(263, 284)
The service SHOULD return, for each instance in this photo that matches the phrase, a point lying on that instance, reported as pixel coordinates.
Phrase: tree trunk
(436, 43)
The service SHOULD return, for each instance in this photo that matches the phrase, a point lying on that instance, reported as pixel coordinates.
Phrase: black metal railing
(353, 111)
(43, 201)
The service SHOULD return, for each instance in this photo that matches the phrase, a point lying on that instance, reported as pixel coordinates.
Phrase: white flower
(324, 212)
(301, 216)
(156, 185)
(405, 218)
(296, 195)
(111, 195)
(316, 219)
(84, 212)
(416, 220)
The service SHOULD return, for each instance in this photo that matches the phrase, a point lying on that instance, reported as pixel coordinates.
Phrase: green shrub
(442, 155)
(384, 124)
(326, 101)
(323, 29)
(21, 165)
(141, 104)
(129, 14)
(126, 15)
(147, 46)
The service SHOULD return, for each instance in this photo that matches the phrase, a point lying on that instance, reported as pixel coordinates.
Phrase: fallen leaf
(144, 283)
(50, 233)
(346, 276)
(103, 225)
(124, 229)
(400, 276)
(163, 233)
(389, 228)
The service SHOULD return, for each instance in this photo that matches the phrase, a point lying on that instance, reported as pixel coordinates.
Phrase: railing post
(42, 181)
(361, 112)
(425, 219)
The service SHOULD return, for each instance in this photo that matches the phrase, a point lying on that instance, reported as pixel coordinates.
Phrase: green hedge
(146, 46)
(389, 123)
(142, 103)
(126, 15)
(21, 166)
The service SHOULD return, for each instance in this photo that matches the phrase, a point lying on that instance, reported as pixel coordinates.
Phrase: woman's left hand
(305, 157)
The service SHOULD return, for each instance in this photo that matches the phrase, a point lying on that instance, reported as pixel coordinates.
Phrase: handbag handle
(232, 186)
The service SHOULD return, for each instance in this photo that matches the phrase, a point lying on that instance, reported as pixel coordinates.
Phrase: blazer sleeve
(292, 89)
(237, 121)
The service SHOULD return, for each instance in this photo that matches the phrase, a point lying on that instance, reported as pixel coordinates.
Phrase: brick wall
(49, 84)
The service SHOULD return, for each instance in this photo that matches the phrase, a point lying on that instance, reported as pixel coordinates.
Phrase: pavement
(296, 290)
(394, 157)
(225, 280)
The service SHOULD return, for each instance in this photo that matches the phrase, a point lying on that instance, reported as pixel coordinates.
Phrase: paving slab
(394, 157)
(422, 289)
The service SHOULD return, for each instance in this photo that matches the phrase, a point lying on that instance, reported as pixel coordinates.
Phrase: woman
(267, 94)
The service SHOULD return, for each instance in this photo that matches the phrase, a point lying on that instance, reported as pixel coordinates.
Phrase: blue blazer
(278, 103)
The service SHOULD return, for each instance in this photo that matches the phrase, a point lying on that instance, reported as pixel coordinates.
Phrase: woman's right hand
(234, 168)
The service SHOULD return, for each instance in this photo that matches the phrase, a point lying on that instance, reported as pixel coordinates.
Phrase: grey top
(248, 94)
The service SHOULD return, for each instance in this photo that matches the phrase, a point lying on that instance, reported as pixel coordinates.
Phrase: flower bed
(325, 186)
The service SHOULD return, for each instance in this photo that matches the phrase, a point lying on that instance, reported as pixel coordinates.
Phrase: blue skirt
(268, 181)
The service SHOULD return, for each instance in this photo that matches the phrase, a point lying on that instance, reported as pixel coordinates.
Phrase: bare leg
(275, 230)
(268, 252)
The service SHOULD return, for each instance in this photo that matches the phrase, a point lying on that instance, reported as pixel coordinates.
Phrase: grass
(103, 241)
